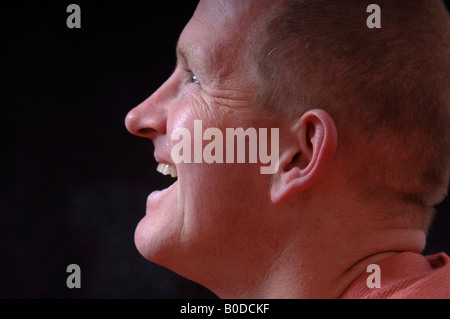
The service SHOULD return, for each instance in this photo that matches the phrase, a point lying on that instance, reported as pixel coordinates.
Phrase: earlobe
(312, 147)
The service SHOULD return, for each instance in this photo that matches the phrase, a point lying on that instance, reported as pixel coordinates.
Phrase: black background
(76, 181)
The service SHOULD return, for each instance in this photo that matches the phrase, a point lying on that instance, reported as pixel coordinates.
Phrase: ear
(311, 146)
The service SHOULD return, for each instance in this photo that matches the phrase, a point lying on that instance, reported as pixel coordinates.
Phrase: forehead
(223, 31)
(226, 15)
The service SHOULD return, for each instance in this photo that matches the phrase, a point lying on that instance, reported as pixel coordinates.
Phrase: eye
(194, 79)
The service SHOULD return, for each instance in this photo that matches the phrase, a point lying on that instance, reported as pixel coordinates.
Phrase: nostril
(146, 132)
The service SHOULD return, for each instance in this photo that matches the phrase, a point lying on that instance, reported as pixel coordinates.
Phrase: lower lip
(158, 194)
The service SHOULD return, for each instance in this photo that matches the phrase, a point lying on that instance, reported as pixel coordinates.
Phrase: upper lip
(160, 158)
(162, 150)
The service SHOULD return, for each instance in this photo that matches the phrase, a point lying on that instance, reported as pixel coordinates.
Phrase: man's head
(344, 99)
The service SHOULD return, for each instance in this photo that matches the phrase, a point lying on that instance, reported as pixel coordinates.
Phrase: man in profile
(364, 150)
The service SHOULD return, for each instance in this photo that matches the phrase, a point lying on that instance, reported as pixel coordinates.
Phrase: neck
(319, 267)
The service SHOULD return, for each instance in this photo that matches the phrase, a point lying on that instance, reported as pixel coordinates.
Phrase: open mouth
(165, 184)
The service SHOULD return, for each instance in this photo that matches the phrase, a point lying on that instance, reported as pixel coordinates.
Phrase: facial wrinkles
(221, 91)
(216, 62)
(210, 109)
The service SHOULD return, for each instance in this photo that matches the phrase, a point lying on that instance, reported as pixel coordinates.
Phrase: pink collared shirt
(406, 275)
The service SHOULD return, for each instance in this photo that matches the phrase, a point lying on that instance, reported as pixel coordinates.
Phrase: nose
(149, 119)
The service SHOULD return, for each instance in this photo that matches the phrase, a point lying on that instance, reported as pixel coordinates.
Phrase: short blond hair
(386, 88)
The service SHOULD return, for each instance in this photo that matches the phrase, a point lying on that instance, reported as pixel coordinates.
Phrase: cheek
(212, 193)
(217, 197)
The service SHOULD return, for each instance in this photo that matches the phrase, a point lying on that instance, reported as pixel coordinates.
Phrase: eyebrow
(182, 50)
(193, 55)
(186, 51)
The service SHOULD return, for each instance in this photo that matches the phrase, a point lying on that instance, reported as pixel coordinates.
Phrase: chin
(142, 239)
(157, 236)
(155, 247)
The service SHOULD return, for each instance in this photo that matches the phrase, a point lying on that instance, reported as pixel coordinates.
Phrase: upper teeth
(167, 169)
